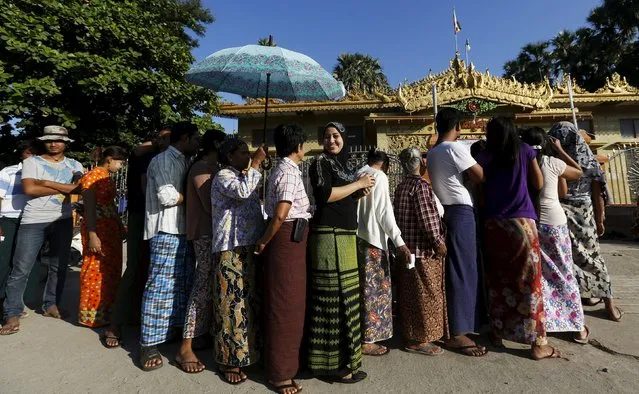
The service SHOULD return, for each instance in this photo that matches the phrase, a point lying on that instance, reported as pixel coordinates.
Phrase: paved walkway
(49, 356)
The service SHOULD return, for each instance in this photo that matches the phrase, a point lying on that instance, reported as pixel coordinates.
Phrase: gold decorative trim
(618, 85)
(562, 87)
(459, 82)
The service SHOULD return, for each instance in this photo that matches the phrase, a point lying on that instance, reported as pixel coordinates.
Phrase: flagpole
(434, 89)
(467, 61)
(455, 29)
(572, 102)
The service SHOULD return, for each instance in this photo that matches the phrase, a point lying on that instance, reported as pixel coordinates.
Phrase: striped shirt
(165, 183)
(286, 184)
(12, 198)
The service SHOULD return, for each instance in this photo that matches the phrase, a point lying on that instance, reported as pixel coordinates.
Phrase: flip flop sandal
(617, 319)
(56, 315)
(554, 354)
(460, 350)
(280, 389)
(422, 350)
(11, 331)
(104, 339)
(224, 373)
(591, 301)
(181, 365)
(583, 341)
(147, 354)
(355, 378)
(24, 315)
(382, 353)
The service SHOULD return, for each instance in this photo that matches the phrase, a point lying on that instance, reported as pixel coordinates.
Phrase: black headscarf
(339, 162)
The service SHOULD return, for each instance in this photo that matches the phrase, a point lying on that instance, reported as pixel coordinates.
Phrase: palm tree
(533, 63)
(563, 54)
(266, 42)
(360, 73)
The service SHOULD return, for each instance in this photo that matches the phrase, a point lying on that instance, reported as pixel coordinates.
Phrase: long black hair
(538, 140)
(502, 141)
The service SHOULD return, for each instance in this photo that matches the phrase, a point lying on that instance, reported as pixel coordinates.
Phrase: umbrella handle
(267, 163)
(268, 83)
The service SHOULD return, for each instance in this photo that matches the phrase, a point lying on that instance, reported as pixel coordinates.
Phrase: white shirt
(446, 164)
(165, 182)
(12, 198)
(551, 212)
(375, 216)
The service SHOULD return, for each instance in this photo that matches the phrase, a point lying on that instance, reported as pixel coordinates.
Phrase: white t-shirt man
(446, 165)
(551, 212)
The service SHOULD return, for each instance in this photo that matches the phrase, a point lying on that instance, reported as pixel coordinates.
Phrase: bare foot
(614, 313)
(150, 358)
(544, 352)
(11, 326)
(233, 375)
(187, 360)
(466, 346)
(427, 349)
(373, 349)
(53, 312)
(112, 337)
(286, 386)
(583, 336)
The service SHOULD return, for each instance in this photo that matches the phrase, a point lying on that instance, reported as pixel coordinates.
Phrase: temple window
(629, 128)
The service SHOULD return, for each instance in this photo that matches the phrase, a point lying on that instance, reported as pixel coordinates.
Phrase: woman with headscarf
(584, 205)
(564, 312)
(334, 320)
(238, 224)
(511, 241)
(421, 289)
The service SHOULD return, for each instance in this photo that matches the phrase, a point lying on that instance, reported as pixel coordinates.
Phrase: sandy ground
(49, 356)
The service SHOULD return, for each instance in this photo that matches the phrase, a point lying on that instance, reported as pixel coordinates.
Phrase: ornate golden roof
(455, 84)
(459, 82)
(618, 85)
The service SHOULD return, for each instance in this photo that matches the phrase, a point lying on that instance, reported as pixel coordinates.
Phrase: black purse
(299, 228)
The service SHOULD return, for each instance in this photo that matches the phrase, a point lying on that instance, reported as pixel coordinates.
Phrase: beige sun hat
(55, 133)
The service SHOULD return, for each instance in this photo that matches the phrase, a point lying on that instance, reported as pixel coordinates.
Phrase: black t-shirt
(340, 214)
(137, 167)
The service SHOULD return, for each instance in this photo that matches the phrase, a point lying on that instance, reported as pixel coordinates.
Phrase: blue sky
(408, 37)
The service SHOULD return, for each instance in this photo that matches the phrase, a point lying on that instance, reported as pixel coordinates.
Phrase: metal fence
(357, 158)
(622, 173)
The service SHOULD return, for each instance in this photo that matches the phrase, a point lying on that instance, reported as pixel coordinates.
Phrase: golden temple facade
(403, 117)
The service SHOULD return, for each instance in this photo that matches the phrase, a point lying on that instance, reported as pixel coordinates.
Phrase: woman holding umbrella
(335, 348)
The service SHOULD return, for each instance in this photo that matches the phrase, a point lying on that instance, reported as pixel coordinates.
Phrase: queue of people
(311, 287)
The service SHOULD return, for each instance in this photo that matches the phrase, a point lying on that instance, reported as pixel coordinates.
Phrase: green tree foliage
(109, 70)
(609, 43)
(360, 73)
(266, 42)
